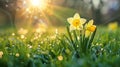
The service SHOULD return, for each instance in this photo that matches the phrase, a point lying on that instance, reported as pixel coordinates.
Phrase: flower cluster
(77, 23)
(81, 33)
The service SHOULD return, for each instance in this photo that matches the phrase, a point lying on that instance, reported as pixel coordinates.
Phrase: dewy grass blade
(67, 38)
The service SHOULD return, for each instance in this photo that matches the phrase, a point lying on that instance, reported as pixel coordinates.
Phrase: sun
(39, 3)
(35, 2)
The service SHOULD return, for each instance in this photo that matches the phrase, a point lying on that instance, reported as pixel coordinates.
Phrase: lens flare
(38, 3)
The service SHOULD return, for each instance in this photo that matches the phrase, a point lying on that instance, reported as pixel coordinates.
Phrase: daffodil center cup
(91, 28)
(76, 22)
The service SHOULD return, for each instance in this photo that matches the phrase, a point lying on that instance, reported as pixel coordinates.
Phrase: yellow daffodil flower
(89, 28)
(76, 22)
(17, 54)
(1, 54)
(113, 26)
(60, 58)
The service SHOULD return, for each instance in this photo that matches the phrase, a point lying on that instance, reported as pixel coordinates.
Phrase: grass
(54, 50)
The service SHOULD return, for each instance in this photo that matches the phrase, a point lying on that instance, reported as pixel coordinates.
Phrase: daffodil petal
(86, 25)
(72, 28)
(82, 20)
(81, 27)
(76, 16)
(87, 33)
(78, 28)
(90, 22)
(70, 20)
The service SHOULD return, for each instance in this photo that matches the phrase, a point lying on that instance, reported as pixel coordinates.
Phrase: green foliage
(43, 50)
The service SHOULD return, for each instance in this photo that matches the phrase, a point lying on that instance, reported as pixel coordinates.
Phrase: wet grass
(54, 50)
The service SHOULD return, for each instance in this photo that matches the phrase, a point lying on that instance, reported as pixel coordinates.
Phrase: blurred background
(35, 13)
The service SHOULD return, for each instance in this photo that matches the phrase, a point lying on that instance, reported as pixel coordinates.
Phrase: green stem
(75, 35)
(71, 37)
(91, 39)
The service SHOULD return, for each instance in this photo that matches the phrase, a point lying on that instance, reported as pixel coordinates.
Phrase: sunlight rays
(37, 10)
